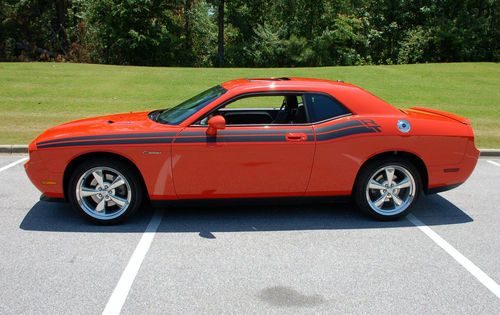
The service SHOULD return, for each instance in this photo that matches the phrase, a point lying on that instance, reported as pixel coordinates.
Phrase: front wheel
(387, 190)
(105, 191)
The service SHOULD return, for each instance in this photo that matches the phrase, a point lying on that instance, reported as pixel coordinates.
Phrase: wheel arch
(71, 166)
(408, 156)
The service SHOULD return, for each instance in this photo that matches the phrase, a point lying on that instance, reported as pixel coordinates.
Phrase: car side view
(254, 139)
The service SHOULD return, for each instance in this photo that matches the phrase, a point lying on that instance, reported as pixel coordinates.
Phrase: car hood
(135, 122)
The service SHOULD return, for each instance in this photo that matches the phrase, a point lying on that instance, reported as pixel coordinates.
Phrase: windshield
(179, 113)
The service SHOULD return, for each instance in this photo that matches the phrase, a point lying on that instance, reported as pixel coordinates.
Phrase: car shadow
(59, 217)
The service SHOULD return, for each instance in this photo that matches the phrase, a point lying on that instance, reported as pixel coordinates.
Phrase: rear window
(321, 107)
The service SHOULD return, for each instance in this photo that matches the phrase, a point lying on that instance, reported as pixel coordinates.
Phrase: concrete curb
(22, 148)
(13, 148)
(490, 152)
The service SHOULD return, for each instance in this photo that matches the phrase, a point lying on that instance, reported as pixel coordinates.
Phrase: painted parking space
(479, 198)
(346, 268)
(245, 271)
(319, 258)
(9, 161)
(52, 261)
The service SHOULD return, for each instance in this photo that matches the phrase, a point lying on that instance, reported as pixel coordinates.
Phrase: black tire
(361, 194)
(132, 191)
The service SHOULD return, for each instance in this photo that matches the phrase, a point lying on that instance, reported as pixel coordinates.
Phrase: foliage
(204, 35)
(140, 32)
(258, 33)
(33, 29)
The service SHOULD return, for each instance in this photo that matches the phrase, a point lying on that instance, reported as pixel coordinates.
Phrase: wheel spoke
(118, 200)
(116, 183)
(389, 174)
(376, 185)
(397, 200)
(380, 201)
(99, 177)
(85, 192)
(101, 206)
(404, 183)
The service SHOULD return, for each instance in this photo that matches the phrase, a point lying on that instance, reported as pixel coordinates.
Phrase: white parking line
(493, 162)
(117, 299)
(12, 164)
(461, 259)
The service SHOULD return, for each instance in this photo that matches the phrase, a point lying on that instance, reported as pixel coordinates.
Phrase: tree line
(250, 33)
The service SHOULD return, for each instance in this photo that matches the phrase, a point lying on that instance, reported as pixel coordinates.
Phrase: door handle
(296, 136)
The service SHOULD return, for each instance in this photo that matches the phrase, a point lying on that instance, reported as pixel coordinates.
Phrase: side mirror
(215, 123)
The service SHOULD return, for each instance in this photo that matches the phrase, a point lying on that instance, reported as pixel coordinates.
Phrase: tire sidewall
(364, 177)
(125, 170)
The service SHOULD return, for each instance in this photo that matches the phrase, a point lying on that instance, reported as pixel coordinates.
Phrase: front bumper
(49, 183)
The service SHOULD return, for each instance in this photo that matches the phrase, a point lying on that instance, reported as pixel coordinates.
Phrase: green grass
(35, 96)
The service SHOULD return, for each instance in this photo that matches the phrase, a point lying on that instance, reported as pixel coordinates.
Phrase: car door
(254, 160)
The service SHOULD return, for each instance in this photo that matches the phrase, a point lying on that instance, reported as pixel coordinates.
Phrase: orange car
(248, 139)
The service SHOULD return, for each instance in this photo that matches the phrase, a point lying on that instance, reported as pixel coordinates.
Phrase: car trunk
(440, 113)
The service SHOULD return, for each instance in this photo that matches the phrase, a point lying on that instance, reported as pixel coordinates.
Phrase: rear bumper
(447, 176)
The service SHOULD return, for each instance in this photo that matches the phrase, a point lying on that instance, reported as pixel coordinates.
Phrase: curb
(13, 148)
(490, 152)
(22, 148)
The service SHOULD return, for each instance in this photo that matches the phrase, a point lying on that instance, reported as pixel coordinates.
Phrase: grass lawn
(35, 96)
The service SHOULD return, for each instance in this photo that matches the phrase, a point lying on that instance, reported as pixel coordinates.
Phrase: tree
(61, 8)
(220, 37)
(260, 33)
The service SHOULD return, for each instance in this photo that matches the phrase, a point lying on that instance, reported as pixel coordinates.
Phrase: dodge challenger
(255, 139)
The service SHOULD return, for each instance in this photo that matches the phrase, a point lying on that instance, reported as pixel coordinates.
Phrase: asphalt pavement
(253, 260)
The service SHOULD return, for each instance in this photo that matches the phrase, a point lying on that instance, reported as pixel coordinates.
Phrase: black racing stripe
(343, 125)
(254, 139)
(370, 123)
(106, 142)
(249, 132)
(114, 136)
(207, 139)
(194, 133)
(344, 133)
(330, 132)
(263, 132)
(262, 138)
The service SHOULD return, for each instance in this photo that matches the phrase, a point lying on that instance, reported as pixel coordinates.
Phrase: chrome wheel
(390, 190)
(103, 193)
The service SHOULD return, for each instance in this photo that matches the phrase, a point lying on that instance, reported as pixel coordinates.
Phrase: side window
(262, 110)
(321, 107)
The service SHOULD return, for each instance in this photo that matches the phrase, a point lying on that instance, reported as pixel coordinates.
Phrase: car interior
(263, 110)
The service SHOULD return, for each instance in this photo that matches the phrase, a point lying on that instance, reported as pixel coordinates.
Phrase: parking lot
(265, 259)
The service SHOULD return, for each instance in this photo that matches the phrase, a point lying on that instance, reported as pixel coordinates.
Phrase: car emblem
(404, 125)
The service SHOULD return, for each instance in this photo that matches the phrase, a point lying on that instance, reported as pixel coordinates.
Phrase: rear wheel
(105, 191)
(387, 189)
